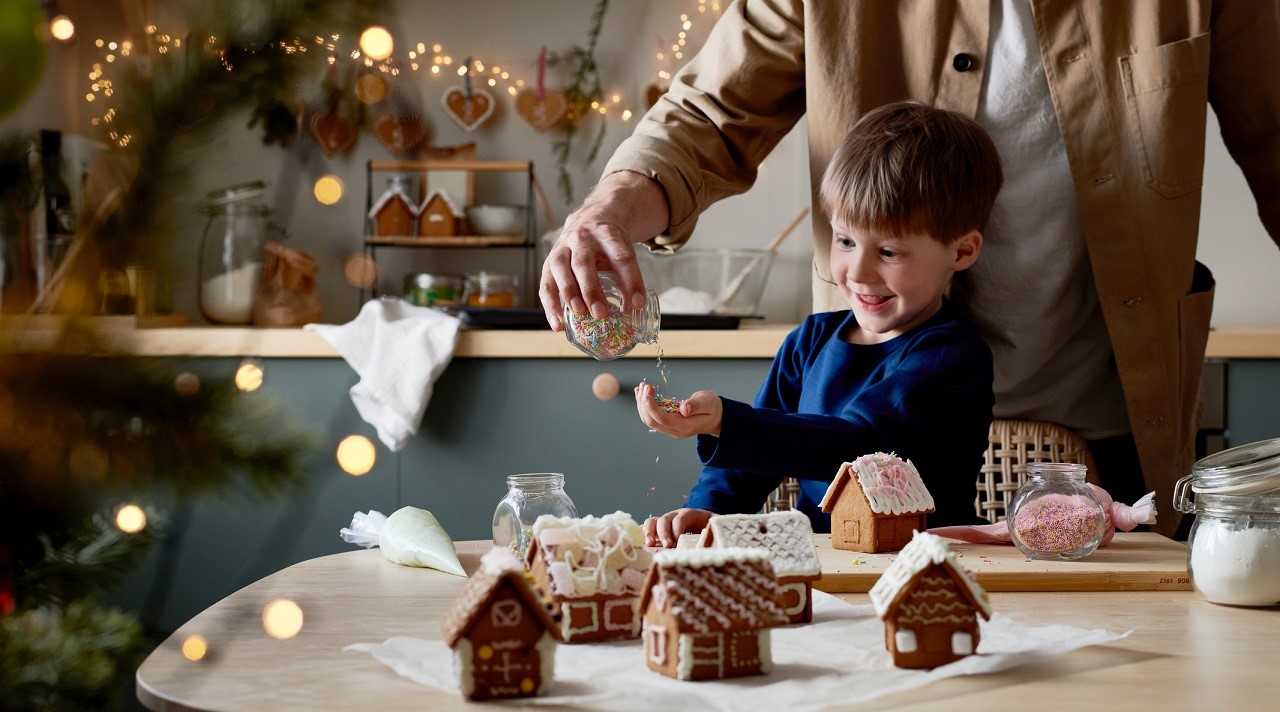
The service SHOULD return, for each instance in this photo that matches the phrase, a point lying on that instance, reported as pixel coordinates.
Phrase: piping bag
(1119, 516)
(410, 537)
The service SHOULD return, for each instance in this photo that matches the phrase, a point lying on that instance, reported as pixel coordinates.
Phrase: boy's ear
(965, 250)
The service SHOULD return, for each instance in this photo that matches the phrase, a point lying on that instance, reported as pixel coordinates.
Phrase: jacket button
(962, 62)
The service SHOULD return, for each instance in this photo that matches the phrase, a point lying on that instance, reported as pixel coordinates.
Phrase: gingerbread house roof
(891, 485)
(714, 590)
(387, 197)
(787, 536)
(453, 207)
(923, 550)
(497, 567)
(590, 555)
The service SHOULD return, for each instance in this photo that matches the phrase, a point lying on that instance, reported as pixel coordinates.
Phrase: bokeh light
(62, 28)
(282, 619)
(376, 43)
(194, 648)
(328, 189)
(249, 376)
(130, 519)
(370, 88)
(356, 455)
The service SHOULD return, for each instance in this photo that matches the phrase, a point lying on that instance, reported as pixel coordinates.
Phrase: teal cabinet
(1252, 395)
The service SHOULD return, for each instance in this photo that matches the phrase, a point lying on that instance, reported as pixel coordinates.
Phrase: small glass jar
(1055, 515)
(491, 289)
(618, 333)
(1233, 550)
(425, 289)
(529, 496)
(231, 252)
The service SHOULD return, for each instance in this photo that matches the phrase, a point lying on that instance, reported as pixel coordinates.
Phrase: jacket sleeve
(1245, 94)
(725, 111)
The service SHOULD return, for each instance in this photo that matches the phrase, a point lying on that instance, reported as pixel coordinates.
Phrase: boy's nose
(862, 269)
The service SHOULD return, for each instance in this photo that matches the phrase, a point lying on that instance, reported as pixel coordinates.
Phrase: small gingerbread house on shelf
(876, 502)
(591, 570)
(788, 537)
(394, 211)
(929, 604)
(707, 613)
(439, 216)
(501, 633)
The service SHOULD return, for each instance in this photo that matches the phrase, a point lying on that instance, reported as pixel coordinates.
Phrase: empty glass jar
(1055, 515)
(1233, 551)
(618, 333)
(231, 252)
(529, 496)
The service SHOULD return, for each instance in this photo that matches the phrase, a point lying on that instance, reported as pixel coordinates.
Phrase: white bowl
(496, 219)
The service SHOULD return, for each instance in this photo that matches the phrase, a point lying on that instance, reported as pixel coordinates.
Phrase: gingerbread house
(707, 613)
(393, 213)
(788, 537)
(591, 569)
(876, 502)
(929, 605)
(501, 632)
(439, 215)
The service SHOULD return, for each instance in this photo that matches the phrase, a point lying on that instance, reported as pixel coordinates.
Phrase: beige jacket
(1130, 82)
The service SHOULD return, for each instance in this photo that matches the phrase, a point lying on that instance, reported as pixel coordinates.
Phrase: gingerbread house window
(905, 641)
(961, 643)
(505, 614)
(657, 639)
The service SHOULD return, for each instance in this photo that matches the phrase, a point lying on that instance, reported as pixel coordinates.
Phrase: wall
(510, 33)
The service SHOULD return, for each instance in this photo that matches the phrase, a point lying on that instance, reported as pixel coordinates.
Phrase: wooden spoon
(733, 287)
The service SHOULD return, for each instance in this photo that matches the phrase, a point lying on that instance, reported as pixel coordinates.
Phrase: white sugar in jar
(1233, 552)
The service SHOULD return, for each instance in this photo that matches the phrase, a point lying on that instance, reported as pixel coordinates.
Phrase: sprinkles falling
(670, 404)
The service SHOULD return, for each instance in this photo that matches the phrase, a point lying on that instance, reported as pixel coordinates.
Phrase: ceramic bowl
(497, 219)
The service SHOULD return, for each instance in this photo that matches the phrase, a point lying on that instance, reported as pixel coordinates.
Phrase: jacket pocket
(1167, 95)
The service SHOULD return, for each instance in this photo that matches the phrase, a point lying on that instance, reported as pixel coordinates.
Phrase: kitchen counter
(750, 341)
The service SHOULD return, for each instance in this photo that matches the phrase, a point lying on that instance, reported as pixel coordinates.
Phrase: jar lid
(235, 193)
(1244, 470)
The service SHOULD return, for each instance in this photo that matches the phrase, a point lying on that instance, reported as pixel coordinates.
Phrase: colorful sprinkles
(606, 338)
(670, 404)
(1053, 526)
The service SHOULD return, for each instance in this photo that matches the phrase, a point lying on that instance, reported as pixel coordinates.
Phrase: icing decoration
(787, 536)
(400, 133)
(467, 105)
(540, 106)
(924, 549)
(892, 485)
(587, 555)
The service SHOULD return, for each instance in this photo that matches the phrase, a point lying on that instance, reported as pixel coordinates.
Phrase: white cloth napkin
(398, 350)
(838, 659)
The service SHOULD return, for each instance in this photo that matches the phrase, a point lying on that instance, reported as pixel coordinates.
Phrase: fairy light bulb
(328, 189)
(130, 519)
(249, 376)
(282, 619)
(62, 28)
(356, 455)
(376, 42)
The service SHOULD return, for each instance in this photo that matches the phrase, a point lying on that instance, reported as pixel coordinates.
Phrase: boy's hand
(666, 530)
(699, 414)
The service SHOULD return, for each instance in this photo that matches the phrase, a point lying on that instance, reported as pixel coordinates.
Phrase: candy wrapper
(410, 537)
(1119, 516)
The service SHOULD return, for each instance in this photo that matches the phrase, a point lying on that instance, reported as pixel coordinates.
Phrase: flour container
(231, 252)
(1233, 552)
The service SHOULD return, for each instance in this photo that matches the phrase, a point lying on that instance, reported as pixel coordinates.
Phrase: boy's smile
(894, 283)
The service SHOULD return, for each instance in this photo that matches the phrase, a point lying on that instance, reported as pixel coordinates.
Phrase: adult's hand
(623, 209)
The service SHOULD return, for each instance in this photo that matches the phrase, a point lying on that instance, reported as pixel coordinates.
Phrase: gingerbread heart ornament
(542, 113)
(468, 111)
(334, 133)
(400, 133)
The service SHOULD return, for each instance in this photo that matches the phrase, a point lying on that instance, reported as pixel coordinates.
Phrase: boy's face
(894, 284)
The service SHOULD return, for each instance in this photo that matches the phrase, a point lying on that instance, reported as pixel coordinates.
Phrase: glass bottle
(1054, 515)
(616, 334)
(1233, 550)
(231, 253)
(529, 496)
(490, 289)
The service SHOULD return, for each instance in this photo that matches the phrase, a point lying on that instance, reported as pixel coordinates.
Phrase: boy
(908, 194)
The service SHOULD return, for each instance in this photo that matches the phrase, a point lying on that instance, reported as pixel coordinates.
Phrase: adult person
(1088, 293)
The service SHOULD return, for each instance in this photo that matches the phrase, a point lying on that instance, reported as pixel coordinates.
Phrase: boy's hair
(909, 168)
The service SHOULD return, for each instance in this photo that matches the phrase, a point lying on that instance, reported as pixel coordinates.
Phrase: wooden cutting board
(1131, 562)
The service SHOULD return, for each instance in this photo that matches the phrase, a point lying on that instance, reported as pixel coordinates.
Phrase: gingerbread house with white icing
(788, 537)
(876, 503)
(501, 633)
(707, 613)
(929, 604)
(592, 570)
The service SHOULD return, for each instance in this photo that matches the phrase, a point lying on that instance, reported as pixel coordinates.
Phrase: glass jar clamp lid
(1242, 471)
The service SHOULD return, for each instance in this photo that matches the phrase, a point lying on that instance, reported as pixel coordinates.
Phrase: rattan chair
(1011, 444)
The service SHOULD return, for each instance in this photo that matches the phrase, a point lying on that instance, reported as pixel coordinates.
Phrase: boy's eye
(844, 242)
(888, 253)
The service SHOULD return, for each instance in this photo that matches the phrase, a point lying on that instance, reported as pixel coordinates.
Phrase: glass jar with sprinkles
(1233, 550)
(529, 496)
(1055, 515)
(616, 334)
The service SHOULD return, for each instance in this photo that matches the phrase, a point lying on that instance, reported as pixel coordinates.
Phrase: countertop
(750, 341)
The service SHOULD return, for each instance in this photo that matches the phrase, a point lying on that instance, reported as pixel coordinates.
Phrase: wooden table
(1184, 653)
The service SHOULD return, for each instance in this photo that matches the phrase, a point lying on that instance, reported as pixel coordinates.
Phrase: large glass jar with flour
(231, 252)
(1233, 552)
(529, 496)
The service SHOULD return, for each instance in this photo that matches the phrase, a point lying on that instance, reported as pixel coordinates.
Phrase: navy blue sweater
(925, 395)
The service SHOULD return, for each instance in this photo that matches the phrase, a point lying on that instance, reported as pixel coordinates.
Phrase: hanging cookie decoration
(467, 105)
(333, 131)
(400, 133)
(542, 107)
